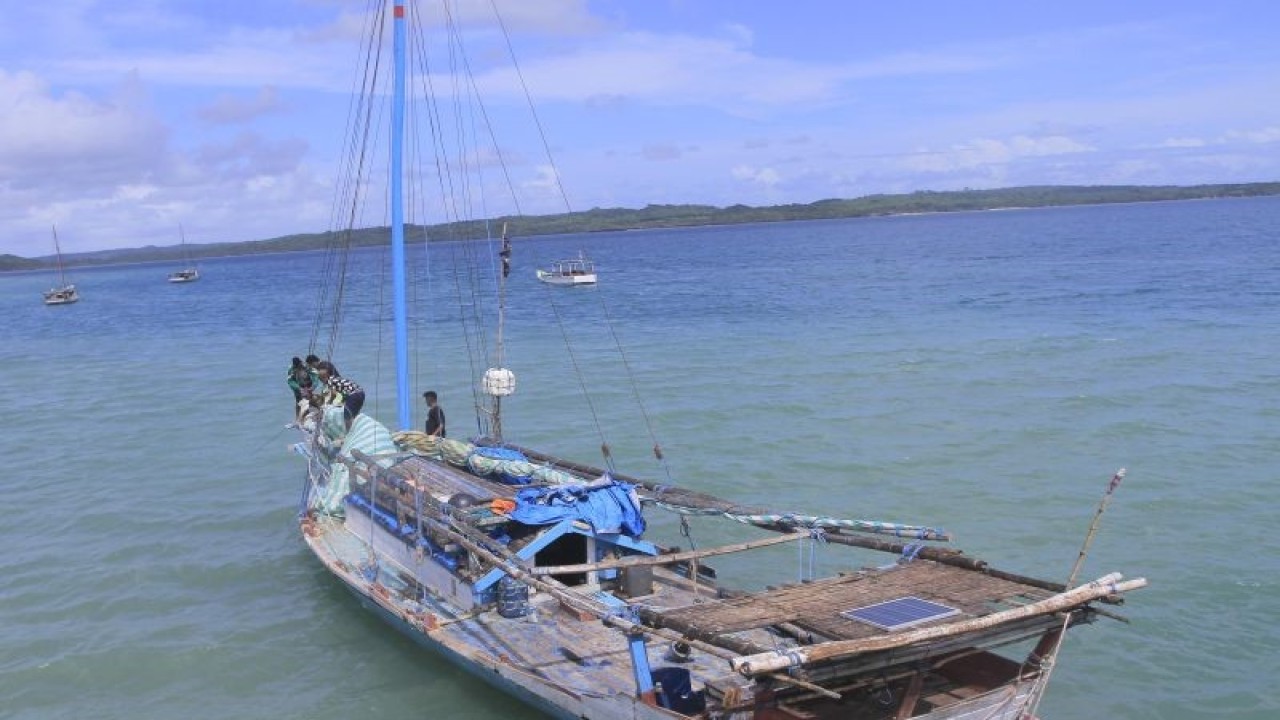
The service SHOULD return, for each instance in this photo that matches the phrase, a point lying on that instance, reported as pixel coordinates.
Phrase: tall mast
(498, 381)
(57, 249)
(399, 293)
(505, 254)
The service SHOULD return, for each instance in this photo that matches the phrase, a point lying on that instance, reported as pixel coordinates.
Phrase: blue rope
(817, 536)
(910, 552)
(800, 561)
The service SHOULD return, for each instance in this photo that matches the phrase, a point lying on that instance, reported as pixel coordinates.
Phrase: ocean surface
(982, 372)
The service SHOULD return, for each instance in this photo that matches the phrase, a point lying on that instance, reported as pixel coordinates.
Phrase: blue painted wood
(398, 285)
(640, 664)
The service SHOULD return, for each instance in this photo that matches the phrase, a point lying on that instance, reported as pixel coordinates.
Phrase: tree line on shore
(672, 216)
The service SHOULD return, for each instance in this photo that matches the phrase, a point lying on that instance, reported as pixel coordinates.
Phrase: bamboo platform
(816, 606)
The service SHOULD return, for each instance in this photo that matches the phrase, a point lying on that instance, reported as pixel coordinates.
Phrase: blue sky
(120, 119)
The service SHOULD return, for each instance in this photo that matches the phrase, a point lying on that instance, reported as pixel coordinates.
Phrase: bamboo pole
(806, 685)
(1054, 641)
(763, 663)
(688, 498)
(946, 556)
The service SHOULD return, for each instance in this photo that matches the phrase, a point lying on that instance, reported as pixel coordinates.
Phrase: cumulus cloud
(59, 145)
(71, 126)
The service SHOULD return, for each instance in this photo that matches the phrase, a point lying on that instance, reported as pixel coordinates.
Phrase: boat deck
(817, 606)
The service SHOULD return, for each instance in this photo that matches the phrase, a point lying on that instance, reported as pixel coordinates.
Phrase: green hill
(669, 216)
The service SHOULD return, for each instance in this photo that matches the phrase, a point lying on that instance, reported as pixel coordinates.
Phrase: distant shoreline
(663, 217)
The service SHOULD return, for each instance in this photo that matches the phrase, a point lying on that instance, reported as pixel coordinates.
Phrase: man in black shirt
(435, 415)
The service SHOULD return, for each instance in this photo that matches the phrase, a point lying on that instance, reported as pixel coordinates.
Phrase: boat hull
(462, 643)
(64, 296)
(552, 278)
(494, 650)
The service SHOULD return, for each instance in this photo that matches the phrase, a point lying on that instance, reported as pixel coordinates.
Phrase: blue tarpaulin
(607, 505)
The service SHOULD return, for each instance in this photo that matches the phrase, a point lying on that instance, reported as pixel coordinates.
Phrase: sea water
(986, 373)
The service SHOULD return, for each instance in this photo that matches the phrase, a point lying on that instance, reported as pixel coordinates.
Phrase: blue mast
(397, 221)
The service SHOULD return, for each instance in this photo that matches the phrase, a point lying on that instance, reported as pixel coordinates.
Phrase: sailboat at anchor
(64, 293)
(189, 273)
(540, 575)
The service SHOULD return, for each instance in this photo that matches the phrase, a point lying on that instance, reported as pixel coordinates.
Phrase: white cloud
(1261, 136)
(988, 151)
(764, 177)
(40, 129)
(559, 17)
(670, 70)
(60, 151)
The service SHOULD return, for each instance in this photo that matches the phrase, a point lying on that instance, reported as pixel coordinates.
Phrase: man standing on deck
(435, 415)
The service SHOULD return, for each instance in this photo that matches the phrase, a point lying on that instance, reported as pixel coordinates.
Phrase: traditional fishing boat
(64, 293)
(541, 575)
(189, 273)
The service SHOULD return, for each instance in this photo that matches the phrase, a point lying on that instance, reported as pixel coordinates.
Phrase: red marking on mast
(399, 12)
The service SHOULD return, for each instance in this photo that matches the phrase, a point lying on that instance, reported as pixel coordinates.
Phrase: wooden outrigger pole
(1046, 651)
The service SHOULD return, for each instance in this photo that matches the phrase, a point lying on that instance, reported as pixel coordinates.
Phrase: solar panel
(900, 613)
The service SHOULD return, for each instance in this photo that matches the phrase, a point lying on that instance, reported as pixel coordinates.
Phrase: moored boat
(573, 271)
(64, 293)
(189, 273)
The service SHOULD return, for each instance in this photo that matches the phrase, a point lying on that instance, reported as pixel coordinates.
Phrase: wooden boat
(574, 271)
(189, 273)
(539, 575)
(64, 293)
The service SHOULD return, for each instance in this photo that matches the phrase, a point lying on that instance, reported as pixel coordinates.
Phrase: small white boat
(578, 271)
(65, 293)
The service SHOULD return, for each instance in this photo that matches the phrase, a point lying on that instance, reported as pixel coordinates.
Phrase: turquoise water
(983, 372)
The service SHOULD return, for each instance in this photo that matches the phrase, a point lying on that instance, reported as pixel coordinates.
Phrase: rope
(693, 562)
(816, 538)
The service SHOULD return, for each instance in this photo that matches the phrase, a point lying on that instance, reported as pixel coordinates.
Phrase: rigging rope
(458, 195)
